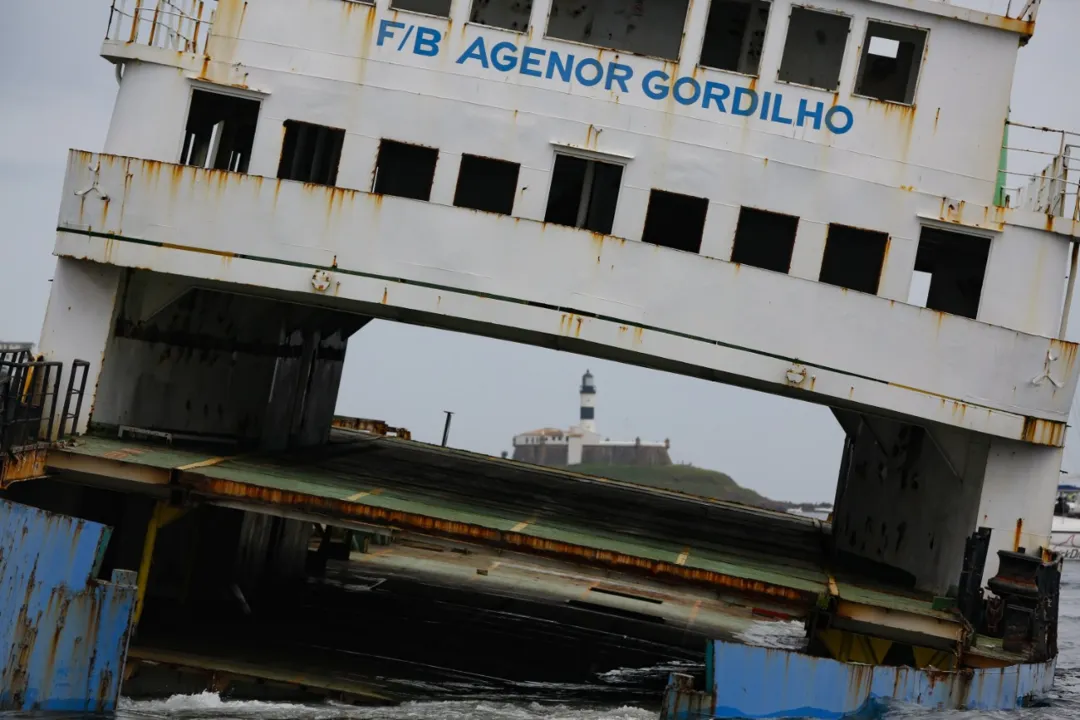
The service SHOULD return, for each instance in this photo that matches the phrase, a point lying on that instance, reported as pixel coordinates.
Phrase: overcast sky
(57, 93)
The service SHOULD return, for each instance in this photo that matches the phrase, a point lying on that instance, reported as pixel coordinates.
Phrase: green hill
(683, 478)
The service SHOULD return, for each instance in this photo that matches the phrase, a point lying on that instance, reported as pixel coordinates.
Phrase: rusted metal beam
(24, 464)
(112, 468)
(375, 427)
(331, 507)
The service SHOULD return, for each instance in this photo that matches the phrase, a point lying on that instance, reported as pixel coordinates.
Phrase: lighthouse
(588, 403)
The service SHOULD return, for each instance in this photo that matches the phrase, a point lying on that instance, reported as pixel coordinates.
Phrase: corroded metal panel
(64, 636)
(757, 682)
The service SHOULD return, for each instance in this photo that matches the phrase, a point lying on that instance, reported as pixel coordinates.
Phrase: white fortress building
(582, 444)
(741, 191)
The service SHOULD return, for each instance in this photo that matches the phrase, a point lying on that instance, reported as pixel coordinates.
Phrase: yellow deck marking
(681, 560)
(205, 463)
(356, 496)
(521, 526)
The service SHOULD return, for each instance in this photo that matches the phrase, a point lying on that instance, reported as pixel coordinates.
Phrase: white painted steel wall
(548, 284)
(338, 63)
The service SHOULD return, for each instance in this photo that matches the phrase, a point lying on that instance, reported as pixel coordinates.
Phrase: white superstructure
(743, 191)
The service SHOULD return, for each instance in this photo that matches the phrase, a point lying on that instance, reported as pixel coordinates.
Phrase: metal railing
(181, 25)
(1014, 9)
(30, 393)
(1042, 170)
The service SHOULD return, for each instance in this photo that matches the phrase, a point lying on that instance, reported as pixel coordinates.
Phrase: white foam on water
(210, 705)
(780, 634)
(631, 676)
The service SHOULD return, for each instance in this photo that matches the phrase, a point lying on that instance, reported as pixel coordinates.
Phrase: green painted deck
(750, 552)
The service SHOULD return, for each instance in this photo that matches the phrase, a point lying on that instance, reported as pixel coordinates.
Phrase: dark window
(956, 264)
(220, 131)
(854, 258)
(583, 193)
(764, 239)
(486, 184)
(891, 57)
(440, 8)
(814, 50)
(735, 35)
(405, 170)
(506, 14)
(646, 28)
(310, 153)
(675, 221)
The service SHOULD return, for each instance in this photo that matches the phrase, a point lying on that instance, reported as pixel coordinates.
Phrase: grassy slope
(684, 478)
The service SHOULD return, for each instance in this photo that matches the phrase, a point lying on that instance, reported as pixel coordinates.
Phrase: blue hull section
(63, 634)
(755, 682)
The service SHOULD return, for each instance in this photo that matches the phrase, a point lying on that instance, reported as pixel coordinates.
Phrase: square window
(814, 49)
(220, 131)
(956, 265)
(735, 35)
(764, 239)
(583, 193)
(853, 258)
(440, 8)
(486, 184)
(405, 170)
(891, 58)
(675, 221)
(310, 153)
(505, 14)
(645, 28)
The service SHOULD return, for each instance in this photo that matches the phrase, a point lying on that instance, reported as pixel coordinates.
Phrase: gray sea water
(614, 696)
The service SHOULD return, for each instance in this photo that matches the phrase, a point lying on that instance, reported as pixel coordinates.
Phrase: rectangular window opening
(889, 67)
(439, 8)
(583, 193)
(505, 14)
(764, 239)
(814, 49)
(310, 153)
(675, 221)
(853, 258)
(405, 170)
(654, 29)
(220, 131)
(735, 35)
(956, 264)
(486, 184)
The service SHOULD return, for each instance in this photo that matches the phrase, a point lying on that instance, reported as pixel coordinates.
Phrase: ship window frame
(987, 235)
(750, 214)
(467, 159)
(864, 50)
(764, 43)
(596, 46)
(421, 13)
(334, 135)
(846, 234)
(589, 156)
(195, 84)
(378, 155)
(662, 196)
(843, 57)
(476, 23)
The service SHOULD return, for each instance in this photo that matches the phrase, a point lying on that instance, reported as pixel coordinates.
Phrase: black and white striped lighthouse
(588, 403)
